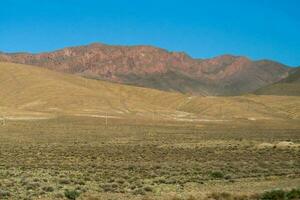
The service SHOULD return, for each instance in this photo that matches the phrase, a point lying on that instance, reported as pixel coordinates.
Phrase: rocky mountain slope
(289, 86)
(157, 68)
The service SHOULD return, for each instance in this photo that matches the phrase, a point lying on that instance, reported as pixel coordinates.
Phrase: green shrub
(293, 194)
(72, 194)
(274, 195)
(217, 174)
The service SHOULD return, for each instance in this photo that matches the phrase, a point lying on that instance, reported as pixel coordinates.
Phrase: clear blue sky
(202, 28)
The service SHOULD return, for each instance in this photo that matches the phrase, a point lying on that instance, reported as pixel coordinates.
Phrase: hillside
(289, 86)
(34, 91)
(30, 88)
(157, 68)
(294, 76)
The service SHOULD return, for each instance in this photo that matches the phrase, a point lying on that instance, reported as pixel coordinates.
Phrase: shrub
(161, 180)
(4, 193)
(32, 186)
(274, 195)
(64, 181)
(217, 174)
(48, 189)
(148, 188)
(293, 194)
(72, 194)
(139, 191)
(121, 181)
(108, 187)
(59, 195)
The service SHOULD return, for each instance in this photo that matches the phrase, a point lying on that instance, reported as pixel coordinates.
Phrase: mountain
(289, 86)
(294, 76)
(157, 68)
(34, 91)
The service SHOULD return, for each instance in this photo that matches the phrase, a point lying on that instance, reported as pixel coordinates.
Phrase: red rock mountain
(157, 68)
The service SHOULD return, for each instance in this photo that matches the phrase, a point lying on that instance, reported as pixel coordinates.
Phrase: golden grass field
(67, 137)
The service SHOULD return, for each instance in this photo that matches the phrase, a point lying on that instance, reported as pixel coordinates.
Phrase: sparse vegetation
(279, 194)
(293, 194)
(82, 155)
(4, 194)
(72, 194)
(217, 174)
(274, 195)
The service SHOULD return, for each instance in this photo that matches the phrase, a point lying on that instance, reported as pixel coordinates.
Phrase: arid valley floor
(147, 160)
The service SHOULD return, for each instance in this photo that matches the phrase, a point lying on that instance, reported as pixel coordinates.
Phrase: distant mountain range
(157, 68)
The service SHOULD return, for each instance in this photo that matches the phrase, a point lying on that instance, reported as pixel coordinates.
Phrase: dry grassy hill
(30, 88)
(36, 92)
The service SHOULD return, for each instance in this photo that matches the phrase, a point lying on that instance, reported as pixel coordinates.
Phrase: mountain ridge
(142, 65)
